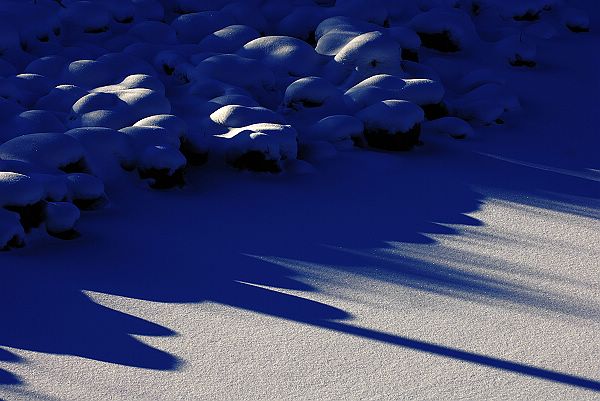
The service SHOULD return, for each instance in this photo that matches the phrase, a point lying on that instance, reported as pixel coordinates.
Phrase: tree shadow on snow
(194, 246)
(6, 377)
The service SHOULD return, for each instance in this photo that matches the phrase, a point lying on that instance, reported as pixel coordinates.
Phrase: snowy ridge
(91, 91)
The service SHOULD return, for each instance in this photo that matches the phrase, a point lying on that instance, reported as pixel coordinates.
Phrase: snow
(453, 23)
(55, 186)
(194, 27)
(310, 91)
(49, 151)
(476, 78)
(520, 8)
(236, 70)
(86, 73)
(159, 82)
(105, 149)
(274, 141)
(311, 98)
(371, 53)
(47, 65)
(336, 128)
(142, 136)
(374, 11)
(301, 21)
(284, 54)
(32, 121)
(19, 190)
(576, 20)
(486, 103)
(134, 81)
(420, 220)
(240, 100)
(161, 157)
(86, 16)
(154, 32)
(239, 116)
(85, 188)
(229, 39)
(61, 98)
(517, 51)
(11, 230)
(175, 125)
(61, 217)
(455, 127)
(384, 87)
(391, 116)
(115, 107)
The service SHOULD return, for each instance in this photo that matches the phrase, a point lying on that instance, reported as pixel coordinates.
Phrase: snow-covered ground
(463, 269)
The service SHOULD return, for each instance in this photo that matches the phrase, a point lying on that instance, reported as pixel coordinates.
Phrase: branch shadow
(460, 355)
(6, 377)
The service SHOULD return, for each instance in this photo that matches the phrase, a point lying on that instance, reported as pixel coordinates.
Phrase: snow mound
(105, 149)
(12, 234)
(283, 54)
(19, 190)
(258, 147)
(381, 87)
(455, 127)
(239, 116)
(392, 124)
(445, 29)
(105, 92)
(229, 39)
(337, 129)
(371, 53)
(61, 218)
(392, 116)
(86, 191)
(49, 151)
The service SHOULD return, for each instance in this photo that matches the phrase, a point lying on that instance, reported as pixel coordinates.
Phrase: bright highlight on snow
(94, 91)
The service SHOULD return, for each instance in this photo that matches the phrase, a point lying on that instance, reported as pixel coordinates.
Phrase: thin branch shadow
(465, 356)
(6, 377)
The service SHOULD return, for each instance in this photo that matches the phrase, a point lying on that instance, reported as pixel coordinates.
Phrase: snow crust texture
(97, 93)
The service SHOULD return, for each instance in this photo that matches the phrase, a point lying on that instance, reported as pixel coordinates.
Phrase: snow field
(91, 91)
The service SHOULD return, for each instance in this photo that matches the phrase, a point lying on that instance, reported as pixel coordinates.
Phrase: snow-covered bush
(284, 55)
(340, 130)
(229, 39)
(90, 90)
(371, 53)
(48, 152)
(485, 103)
(445, 29)
(86, 191)
(163, 165)
(423, 92)
(235, 116)
(457, 128)
(12, 234)
(258, 147)
(105, 149)
(61, 218)
(576, 20)
(24, 196)
(392, 124)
